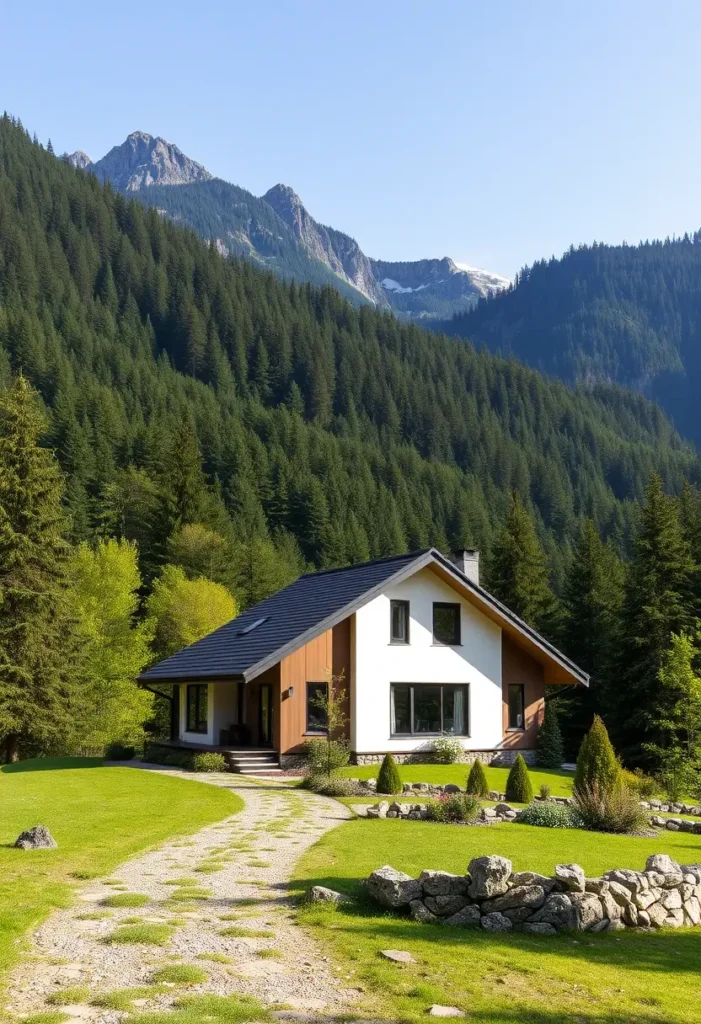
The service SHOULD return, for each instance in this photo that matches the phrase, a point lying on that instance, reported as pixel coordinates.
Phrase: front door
(265, 715)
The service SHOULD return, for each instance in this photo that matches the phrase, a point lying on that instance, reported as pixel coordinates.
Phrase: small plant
(602, 810)
(447, 750)
(548, 815)
(544, 791)
(122, 999)
(477, 780)
(550, 751)
(120, 752)
(152, 934)
(597, 764)
(518, 783)
(67, 996)
(388, 780)
(125, 899)
(454, 807)
(215, 958)
(208, 762)
(333, 786)
(179, 974)
(269, 954)
(237, 932)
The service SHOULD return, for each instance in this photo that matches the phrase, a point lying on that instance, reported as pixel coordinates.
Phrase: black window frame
(313, 730)
(397, 641)
(465, 687)
(200, 726)
(521, 687)
(443, 605)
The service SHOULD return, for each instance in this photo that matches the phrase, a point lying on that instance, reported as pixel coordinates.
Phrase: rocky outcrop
(36, 838)
(78, 159)
(143, 160)
(491, 896)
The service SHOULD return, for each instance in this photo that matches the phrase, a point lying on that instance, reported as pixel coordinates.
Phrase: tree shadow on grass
(51, 764)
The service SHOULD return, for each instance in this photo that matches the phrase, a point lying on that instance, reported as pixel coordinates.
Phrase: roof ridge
(364, 565)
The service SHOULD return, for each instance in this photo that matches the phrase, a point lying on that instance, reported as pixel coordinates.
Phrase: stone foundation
(496, 758)
(491, 896)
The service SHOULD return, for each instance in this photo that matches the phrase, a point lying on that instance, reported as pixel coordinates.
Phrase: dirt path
(241, 866)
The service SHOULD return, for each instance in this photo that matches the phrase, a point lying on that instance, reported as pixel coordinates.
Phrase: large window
(399, 622)
(197, 708)
(421, 709)
(316, 708)
(517, 703)
(446, 624)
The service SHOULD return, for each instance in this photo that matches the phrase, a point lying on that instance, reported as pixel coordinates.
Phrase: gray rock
(452, 788)
(597, 885)
(36, 838)
(692, 869)
(635, 881)
(382, 808)
(320, 894)
(488, 814)
(397, 956)
(445, 906)
(518, 915)
(445, 1011)
(519, 896)
(442, 883)
(468, 917)
(391, 814)
(643, 919)
(645, 899)
(393, 888)
(420, 912)
(675, 919)
(673, 824)
(571, 876)
(615, 926)
(489, 876)
(588, 910)
(533, 878)
(557, 911)
(657, 914)
(692, 909)
(631, 915)
(372, 812)
(505, 809)
(539, 928)
(612, 910)
(672, 900)
(600, 926)
(496, 923)
(620, 893)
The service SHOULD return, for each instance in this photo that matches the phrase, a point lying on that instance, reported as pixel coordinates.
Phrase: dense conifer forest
(625, 314)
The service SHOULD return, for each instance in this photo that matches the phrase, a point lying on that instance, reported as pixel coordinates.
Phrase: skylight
(252, 626)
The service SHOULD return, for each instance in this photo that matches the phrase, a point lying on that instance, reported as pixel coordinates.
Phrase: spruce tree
(549, 747)
(597, 764)
(477, 780)
(388, 780)
(518, 782)
(658, 603)
(518, 573)
(34, 638)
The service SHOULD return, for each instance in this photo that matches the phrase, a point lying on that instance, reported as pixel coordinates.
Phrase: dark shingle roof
(286, 617)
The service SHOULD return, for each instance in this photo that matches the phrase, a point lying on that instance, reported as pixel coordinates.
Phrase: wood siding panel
(519, 667)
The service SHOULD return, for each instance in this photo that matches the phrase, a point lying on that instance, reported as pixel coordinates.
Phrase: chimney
(468, 562)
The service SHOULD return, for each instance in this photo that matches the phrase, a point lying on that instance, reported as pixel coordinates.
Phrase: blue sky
(492, 133)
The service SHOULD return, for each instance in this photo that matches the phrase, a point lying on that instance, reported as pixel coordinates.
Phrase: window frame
(395, 641)
(201, 689)
(522, 688)
(465, 687)
(443, 643)
(309, 729)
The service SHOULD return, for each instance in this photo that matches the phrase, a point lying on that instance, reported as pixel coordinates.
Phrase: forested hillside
(624, 314)
(182, 387)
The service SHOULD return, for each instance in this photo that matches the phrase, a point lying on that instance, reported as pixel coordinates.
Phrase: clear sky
(495, 133)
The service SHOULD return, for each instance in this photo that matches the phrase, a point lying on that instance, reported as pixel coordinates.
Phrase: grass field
(497, 979)
(560, 782)
(98, 816)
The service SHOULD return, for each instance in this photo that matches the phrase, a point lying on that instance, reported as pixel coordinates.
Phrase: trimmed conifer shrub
(549, 748)
(388, 780)
(518, 784)
(597, 764)
(477, 780)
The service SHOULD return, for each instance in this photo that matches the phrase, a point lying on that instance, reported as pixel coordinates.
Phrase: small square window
(399, 622)
(316, 707)
(517, 702)
(446, 624)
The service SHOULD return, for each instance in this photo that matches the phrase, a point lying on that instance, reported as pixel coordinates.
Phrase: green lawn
(560, 782)
(98, 816)
(513, 979)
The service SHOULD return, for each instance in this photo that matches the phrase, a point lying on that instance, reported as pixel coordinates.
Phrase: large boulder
(489, 876)
(588, 910)
(420, 912)
(539, 928)
(519, 896)
(442, 883)
(445, 906)
(662, 863)
(393, 888)
(635, 881)
(36, 838)
(571, 877)
(534, 878)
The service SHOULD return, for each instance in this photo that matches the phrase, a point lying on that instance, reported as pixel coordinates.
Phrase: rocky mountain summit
(140, 161)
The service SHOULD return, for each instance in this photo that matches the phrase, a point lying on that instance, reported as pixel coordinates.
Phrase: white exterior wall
(377, 663)
(221, 712)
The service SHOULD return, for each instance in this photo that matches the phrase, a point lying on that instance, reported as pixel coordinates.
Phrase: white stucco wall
(377, 663)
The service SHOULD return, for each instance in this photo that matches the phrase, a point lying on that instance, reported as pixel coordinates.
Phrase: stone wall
(493, 897)
(503, 758)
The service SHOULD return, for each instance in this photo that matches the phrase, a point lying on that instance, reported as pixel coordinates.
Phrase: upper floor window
(446, 624)
(517, 703)
(399, 622)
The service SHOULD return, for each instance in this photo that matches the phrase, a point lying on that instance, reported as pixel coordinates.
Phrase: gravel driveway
(252, 854)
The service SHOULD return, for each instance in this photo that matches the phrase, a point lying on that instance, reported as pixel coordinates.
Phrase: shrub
(544, 792)
(454, 807)
(119, 752)
(209, 762)
(326, 756)
(388, 780)
(549, 748)
(447, 749)
(609, 810)
(330, 785)
(518, 783)
(157, 754)
(597, 764)
(548, 815)
(644, 785)
(477, 780)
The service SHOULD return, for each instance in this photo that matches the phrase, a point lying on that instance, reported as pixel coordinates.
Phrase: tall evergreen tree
(34, 641)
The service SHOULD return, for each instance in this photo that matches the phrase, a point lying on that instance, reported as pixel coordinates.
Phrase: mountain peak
(142, 160)
(79, 159)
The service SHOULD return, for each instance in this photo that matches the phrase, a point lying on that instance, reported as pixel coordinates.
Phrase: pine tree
(597, 764)
(477, 780)
(518, 782)
(35, 644)
(388, 780)
(549, 746)
(657, 604)
(518, 573)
